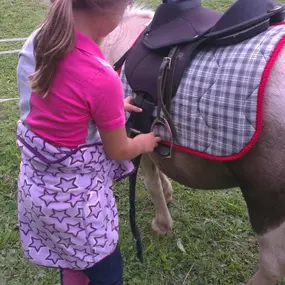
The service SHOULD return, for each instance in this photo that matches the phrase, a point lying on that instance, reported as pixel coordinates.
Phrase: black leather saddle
(155, 64)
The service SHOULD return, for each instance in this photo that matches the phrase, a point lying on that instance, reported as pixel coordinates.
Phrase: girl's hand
(148, 141)
(129, 107)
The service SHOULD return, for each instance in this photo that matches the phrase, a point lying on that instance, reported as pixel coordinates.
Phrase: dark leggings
(108, 271)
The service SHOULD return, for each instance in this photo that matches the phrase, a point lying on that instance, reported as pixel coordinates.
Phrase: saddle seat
(186, 21)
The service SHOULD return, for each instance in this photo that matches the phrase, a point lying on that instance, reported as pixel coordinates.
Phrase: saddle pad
(217, 110)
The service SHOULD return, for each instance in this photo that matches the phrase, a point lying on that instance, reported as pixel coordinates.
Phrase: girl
(73, 142)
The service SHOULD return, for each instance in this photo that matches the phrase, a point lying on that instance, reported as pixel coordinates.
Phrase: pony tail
(54, 39)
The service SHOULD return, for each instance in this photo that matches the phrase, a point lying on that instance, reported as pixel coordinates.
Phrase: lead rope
(132, 183)
(132, 211)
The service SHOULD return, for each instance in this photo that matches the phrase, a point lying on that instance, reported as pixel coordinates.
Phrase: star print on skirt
(66, 207)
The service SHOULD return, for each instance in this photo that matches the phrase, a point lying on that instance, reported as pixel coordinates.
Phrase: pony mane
(139, 10)
(134, 21)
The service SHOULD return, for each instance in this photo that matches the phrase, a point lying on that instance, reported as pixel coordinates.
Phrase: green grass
(212, 226)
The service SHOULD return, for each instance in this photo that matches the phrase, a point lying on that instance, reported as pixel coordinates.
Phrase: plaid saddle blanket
(218, 108)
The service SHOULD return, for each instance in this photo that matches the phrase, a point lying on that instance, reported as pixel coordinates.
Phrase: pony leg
(272, 257)
(162, 223)
(167, 187)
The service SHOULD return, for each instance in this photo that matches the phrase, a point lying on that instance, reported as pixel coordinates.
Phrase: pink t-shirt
(86, 92)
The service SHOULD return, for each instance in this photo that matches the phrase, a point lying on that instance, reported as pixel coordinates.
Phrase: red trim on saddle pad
(278, 24)
(259, 112)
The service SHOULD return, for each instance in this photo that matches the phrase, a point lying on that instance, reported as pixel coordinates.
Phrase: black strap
(132, 211)
(121, 61)
(164, 93)
(169, 77)
(132, 184)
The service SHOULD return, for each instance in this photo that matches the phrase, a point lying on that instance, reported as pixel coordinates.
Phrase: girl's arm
(119, 147)
(107, 106)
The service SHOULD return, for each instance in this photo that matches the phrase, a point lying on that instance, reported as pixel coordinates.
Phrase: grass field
(213, 226)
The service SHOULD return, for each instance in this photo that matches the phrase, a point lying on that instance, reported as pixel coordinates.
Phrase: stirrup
(162, 149)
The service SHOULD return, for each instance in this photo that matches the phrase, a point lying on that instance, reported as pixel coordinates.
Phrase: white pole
(12, 40)
(9, 52)
(8, 99)
(9, 41)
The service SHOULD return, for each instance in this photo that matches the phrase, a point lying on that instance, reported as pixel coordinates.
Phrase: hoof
(162, 227)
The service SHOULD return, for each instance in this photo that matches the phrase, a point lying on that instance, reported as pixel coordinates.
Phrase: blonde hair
(56, 37)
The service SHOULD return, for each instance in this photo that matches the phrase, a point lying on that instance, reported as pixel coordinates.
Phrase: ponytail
(54, 39)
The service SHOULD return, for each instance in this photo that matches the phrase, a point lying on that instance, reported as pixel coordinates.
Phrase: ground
(218, 246)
